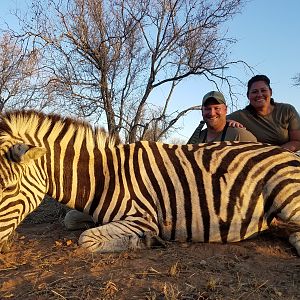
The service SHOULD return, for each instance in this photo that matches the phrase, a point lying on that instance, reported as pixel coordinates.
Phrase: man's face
(214, 114)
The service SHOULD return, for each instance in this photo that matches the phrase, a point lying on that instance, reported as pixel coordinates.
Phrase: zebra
(143, 194)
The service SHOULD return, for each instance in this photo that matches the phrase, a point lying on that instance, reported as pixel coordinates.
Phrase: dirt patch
(46, 263)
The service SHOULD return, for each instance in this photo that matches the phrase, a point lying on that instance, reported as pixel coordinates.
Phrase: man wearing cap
(214, 110)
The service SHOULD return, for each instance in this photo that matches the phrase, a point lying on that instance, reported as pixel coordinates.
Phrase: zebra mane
(17, 124)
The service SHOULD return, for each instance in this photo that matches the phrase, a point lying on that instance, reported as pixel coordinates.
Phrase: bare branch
(103, 59)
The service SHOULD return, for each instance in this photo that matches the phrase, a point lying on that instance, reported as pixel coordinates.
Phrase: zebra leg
(75, 220)
(119, 236)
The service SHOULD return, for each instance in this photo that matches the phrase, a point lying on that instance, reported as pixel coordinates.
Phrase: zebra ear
(23, 153)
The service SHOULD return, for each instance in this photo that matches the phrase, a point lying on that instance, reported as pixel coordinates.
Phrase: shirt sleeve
(294, 121)
(246, 136)
(236, 116)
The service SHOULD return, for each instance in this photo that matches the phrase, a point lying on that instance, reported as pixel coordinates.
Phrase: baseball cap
(215, 95)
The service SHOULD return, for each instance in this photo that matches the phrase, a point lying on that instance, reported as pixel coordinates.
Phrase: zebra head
(21, 189)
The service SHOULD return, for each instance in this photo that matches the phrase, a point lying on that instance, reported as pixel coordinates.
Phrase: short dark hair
(256, 78)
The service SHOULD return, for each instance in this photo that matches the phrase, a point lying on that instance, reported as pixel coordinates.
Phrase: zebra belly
(217, 229)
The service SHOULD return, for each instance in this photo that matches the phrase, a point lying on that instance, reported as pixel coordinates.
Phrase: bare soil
(46, 263)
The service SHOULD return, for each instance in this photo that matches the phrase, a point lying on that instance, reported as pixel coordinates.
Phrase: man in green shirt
(214, 111)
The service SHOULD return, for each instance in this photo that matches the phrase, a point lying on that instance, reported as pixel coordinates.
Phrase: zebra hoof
(75, 220)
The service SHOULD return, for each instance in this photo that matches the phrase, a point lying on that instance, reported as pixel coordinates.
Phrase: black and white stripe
(143, 192)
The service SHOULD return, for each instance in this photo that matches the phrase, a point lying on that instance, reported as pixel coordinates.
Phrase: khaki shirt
(231, 134)
(273, 128)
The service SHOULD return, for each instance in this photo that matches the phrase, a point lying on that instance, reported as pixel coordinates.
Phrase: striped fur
(145, 192)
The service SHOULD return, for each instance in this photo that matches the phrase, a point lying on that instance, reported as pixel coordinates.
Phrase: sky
(268, 39)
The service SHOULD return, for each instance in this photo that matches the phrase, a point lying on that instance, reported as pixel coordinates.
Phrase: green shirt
(272, 128)
(228, 134)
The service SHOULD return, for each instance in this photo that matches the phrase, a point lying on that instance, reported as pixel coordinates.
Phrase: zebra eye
(8, 189)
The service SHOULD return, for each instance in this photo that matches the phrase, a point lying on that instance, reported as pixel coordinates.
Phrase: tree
(296, 79)
(105, 58)
(19, 75)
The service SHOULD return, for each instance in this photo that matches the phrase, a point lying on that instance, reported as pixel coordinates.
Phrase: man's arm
(246, 136)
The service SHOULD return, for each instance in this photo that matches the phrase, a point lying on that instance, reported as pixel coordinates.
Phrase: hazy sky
(268, 34)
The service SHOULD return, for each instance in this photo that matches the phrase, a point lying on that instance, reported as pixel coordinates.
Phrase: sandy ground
(46, 263)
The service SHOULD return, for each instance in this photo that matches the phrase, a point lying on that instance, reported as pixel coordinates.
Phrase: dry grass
(46, 263)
